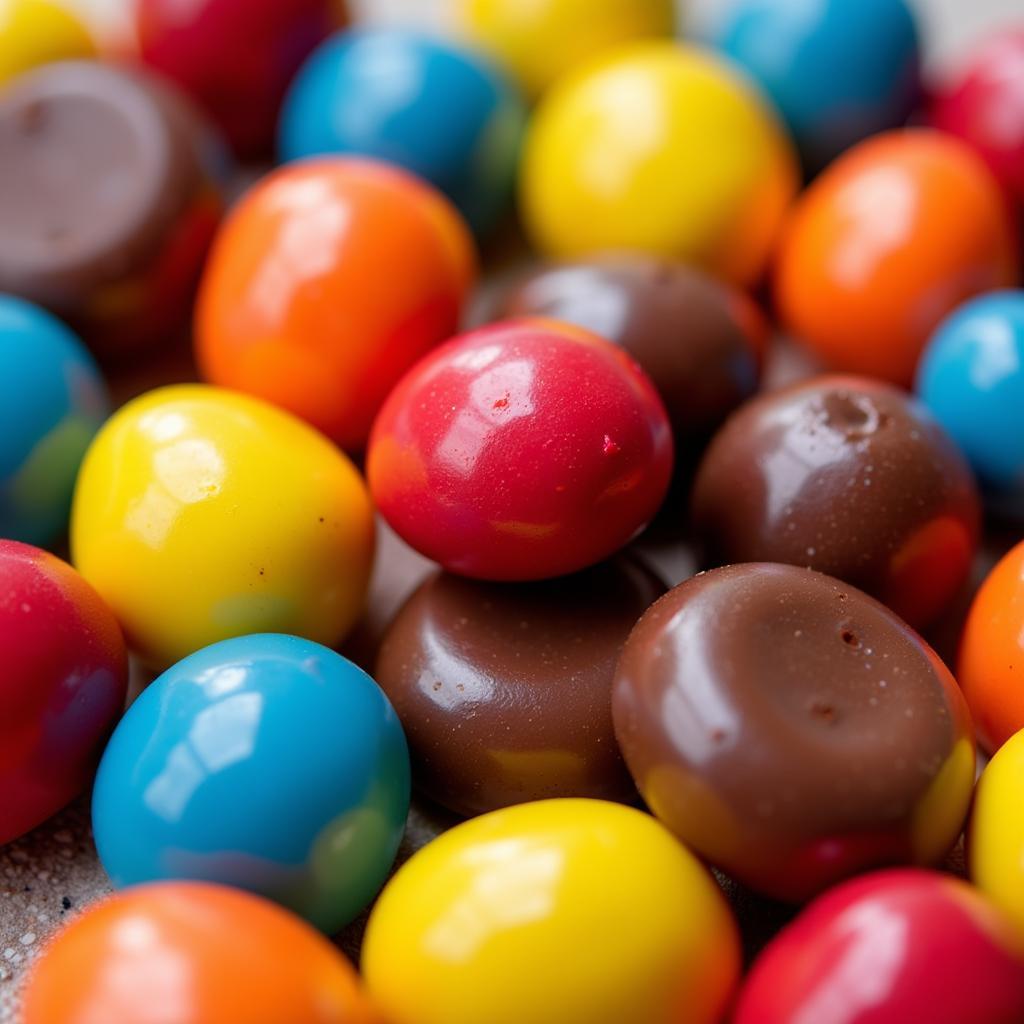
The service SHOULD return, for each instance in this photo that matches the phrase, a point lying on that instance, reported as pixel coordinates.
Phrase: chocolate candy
(108, 200)
(792, 730)
(698, 339)
(504, 691)
(848, 476)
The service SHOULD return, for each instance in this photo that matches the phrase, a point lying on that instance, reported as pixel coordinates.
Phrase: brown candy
(504, 690)
(848, 476)
(791, 729)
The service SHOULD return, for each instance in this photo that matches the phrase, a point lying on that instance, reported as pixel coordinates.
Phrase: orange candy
(991, 663)
(889, 239)
(192, 953)
(328, 281)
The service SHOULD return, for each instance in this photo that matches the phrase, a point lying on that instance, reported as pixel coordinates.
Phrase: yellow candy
(34, 32)
(202, 514)
(552, 913)
(995, 849)
(539, 40)
(661, 148)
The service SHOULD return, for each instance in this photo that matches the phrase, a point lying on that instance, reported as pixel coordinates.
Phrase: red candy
(521, 451)
(62, 686)
(895, 947)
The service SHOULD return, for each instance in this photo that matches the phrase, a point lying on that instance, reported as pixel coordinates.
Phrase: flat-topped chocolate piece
(791, 729)
(109, 196)
(504, 690)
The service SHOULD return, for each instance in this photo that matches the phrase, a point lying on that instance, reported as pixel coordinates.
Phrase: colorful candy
(791, 730)
(661, 148)
(34, 32)
(890, 948)
(836, 70)
(848, 476)
(267, 762)
(563, 910)
(192, 954)
(422, 103)
(520, 451)
(326, 283)
(505, 692)
(885, 243)
(65, 674)
(52, 401)
(202, 514)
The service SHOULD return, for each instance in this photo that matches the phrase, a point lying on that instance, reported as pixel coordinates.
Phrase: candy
(990, 669)
(422, 103)
(34, 32)
(893, 947)
(791, 730)
(885, 243)
(971, 377)
(505, 691)
(194, 954)
(52, 401)
(65, 674)
(848, 476)
(557, 911)
(661, 148)
(235, 57)
(520, 451)
(836, 70)
(109, 195)
(267, 762)
(202, 514)
(326, 284)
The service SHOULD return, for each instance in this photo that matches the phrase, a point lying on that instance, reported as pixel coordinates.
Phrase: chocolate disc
(848, 476)
(504, 690)
(791, 729)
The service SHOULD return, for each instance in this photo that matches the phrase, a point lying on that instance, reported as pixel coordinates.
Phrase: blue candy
(422, 103)
(266, 762)
(52, 402)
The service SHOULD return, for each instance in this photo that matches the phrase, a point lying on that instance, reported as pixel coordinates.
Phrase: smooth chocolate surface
(108, 199)
(791, 729)
(504, 690)
(848, 476)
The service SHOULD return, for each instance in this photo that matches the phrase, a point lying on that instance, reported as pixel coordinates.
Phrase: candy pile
(299, 521)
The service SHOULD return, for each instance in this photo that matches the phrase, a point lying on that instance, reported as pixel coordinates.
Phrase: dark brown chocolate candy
(848, 476)
(504, 690)
(109, 197)
(791, 729)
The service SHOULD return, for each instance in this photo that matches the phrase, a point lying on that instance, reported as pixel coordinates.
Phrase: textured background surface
(52, 873)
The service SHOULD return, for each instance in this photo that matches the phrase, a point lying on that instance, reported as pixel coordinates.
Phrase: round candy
(235, 57)
(848, 476)
(520, 451)
(327, 282)
(836, 70)
(63, 685)
(699, 340)
(885, 243)
(985, 107)
(266, 762)
(562, 910)
(893, 947)
(52, 401)
(108, 198)
(662, 148)
(505, 691)
(34, 32)
(541, 40)
(972, 379)
(421, 103)
(991, 662)
(202, 514)
(194, 954)
(791, 730)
